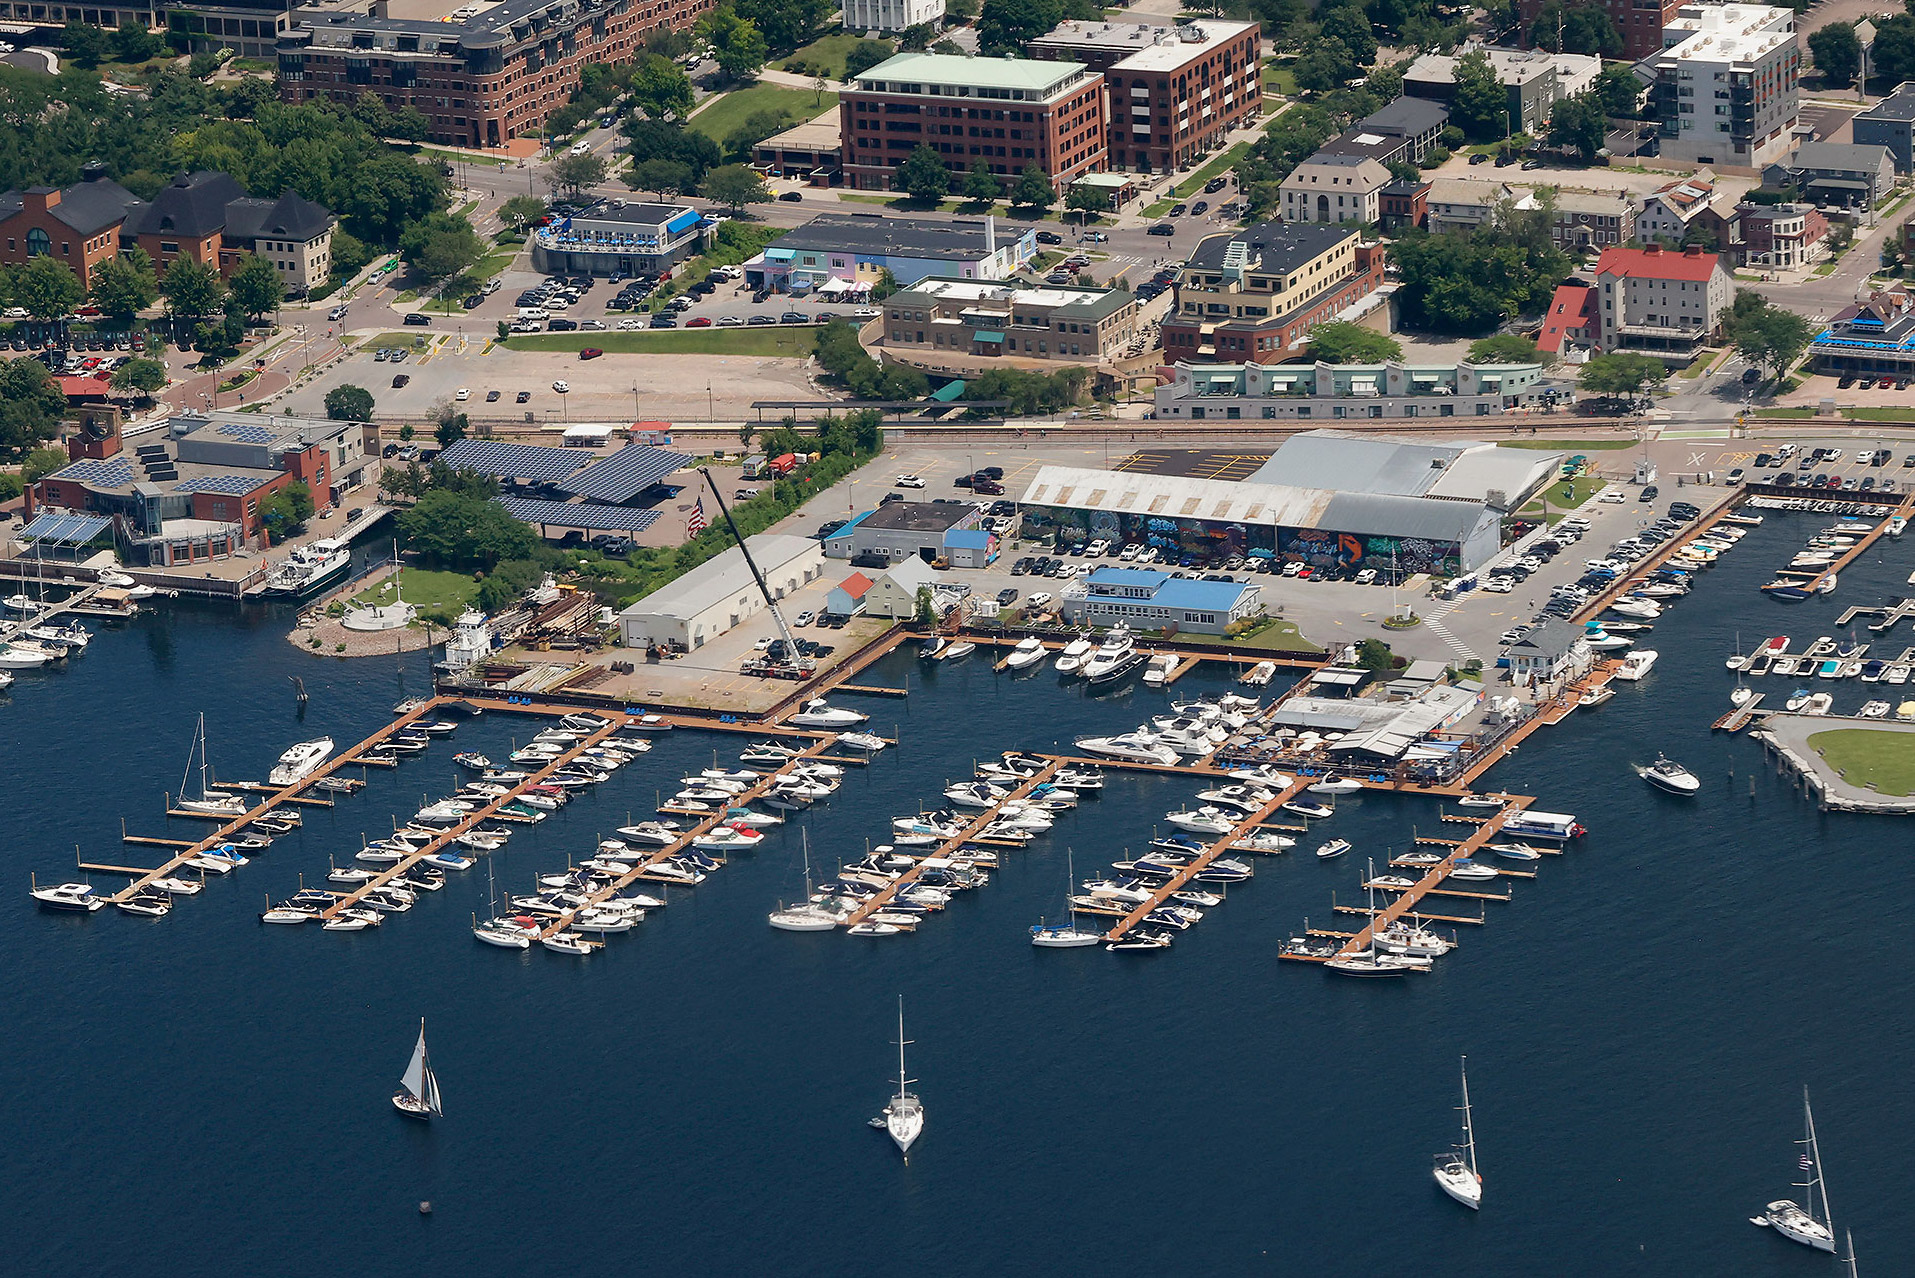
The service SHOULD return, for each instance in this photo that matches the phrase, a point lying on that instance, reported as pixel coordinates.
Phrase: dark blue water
(203, 1095)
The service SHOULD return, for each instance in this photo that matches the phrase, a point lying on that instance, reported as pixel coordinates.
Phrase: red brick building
(1173, 93)
(79, 226)
(1640, 21)
(481, 80)
(1252, 296)
(1007, 114)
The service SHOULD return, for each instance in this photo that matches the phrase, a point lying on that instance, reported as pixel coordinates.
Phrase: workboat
(300, 761)
(903, 1117)
(1134, 747)
(1071, 659)
(1637, 664)
(73, 897)
(309, 567)
(1810, 1225)
(817, 714)
(1113, 654)
(1030, 651)
(1456, 1173)
(1667, 774)
(418, 1094)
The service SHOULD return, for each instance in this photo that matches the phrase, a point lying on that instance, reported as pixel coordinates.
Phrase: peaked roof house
(895, 592)
(208, 217)
(79, 224)
(1570, 321)
(1875, 336)
(1551, 651)
(1669, 211)
(846, 599)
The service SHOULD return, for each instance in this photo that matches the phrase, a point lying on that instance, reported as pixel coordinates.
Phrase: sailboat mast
(901, 1079)
(202, 754)
(1469, 1127)
(1816, 1184)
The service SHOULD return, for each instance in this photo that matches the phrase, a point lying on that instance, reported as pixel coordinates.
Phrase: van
(1038, 602)
(533, 313)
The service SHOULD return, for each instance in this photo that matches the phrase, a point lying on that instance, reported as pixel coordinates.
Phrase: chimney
(1693, 250)
(92, 171)
(1652, 248)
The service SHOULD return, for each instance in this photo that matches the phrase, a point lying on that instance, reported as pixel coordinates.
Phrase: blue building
(1146, 600)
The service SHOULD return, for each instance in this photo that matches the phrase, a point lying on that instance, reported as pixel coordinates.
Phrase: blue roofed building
(970, 547)
(1874, 336)
(1147, 600)
(621, 239)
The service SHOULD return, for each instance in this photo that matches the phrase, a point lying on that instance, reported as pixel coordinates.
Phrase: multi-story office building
(1656, 302)
(1174, 92)
(1006, 114)
(1252, 296)
(980, 317)
(1639, 21)
(1725, 88)
(480, 78)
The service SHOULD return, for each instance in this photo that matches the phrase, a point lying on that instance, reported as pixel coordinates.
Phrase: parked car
(590, 352)
(908, 481)
(400, 380)
(523, 397)
(492, 397)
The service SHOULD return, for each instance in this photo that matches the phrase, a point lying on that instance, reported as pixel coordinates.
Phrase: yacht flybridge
(300, 761)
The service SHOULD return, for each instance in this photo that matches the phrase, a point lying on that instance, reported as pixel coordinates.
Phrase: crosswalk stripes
(1433, 622)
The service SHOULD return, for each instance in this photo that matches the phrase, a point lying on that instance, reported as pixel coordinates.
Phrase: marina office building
(624, 239)
(1320, 392)
(1147, 600)
(1324, 498)
(836, 251)
(720, 594)
(905, 530)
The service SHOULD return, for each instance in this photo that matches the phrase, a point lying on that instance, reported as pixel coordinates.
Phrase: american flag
(695, 522)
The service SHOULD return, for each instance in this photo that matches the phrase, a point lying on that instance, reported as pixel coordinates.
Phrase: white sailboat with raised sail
(418, 1094)
(209, 802)
(903, 1116)
(1810, 1222)
(1064, 936)
(1456, 1173)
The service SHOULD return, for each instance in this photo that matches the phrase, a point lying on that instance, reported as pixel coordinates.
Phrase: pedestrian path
(1433, 622)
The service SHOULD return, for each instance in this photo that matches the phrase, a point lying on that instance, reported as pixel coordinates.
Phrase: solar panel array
(237, 485)
(566, 514)
(247, 432)
(106, 472)
(65, 529)
(529, 462)
(625, 474)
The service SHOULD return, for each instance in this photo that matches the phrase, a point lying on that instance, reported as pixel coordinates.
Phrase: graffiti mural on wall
(1202, 540)
(1322, 549)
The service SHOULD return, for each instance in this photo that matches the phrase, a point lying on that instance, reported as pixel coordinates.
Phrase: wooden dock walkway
(43, 615)
(1903, 510)
(1740, 716)
(1431, 883)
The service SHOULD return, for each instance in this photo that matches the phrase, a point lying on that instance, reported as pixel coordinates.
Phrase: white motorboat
(869, 742)
(1243, 798)
(71, 635)
(728, 838)
(1516, 851)
(1112, 654)
(976, 794)
(1405, 937)
(1335, 847)
(1818, 704)
(817, 714)
(1875, 710)
(1637, 664)
(1264, 775)
(1204, 820)
(76, 898)
(1811, 1225)
(22, 656)
(1599, 640)
(1305, 808)
(1456, 1173)
(1335, 785)
(282, 915)
(1139, 746)
(1667, 774)
(1641, 609)
(568, 942)
(1071, 659)
(1029, 652)
(309, 567)
(1491, 801)
(903, 1117)
(1468, 871)
(1158, 669)
(1268, 841)
(300, 761)
(1260, 674)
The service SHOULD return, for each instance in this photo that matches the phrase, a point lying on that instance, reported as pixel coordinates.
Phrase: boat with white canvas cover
(1812, 1225)
(1071, 659)
(418, 1094)
(1455, 1172)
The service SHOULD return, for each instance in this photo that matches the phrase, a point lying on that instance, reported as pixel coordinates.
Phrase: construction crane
(795, 665)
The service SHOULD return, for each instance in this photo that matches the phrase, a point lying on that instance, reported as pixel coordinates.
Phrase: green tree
(736, 42)
(923, 175)
(1503, 348)
(350, 254)
(1009, 25)
(1349, 27)
(449, 425)
(1374, 655)
(286, 511)
(125, 285)
(1579, 123)
(735, 186)
(980, 184)
(141, 376)
(1565, 28)
(349, 403)
(41, 462)
(1033, 189)
(45, 287)
(1621, 375)
(521, 211)
(661, 89)
(755, 128)
(867, 54)
(1837, 53)
(454, 530)
(131, 41)
(1892, 55)
(256, 286)
(658, 140)
(925, 613)
(1323, 66)
(85, 43)
(1340, 342)
(31, 405)
(1766, 335)
(664, 178)
(1620, 90)
(1480, 105)
(1470, 282)
(786, 24)
(1087, 200)
(960, 11)
(576, 173)
(440, 246)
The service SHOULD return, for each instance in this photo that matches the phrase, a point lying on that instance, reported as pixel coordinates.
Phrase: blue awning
(686, 219)
(993, 338)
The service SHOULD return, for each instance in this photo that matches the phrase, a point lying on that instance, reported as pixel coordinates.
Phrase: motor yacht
(817, 714)
(77, 898)
(1139, 746)
(1306, 808)
(1112, 654)
(1468, 871)
(1404, 937)
(1204, 820)
(1637, 664)
(1336, 785)
(309, 567)
(1158, 669)
(1243, 798)
(300, 761)
(1071, 659)
(1030, 651)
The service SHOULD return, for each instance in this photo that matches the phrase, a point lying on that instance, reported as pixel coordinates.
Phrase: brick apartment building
(481, 80)
(1174, 93)
(1005, 113)
(1639, 21)
(1252, 296)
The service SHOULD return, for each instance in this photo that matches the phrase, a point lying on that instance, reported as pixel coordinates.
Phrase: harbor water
(199, 1094)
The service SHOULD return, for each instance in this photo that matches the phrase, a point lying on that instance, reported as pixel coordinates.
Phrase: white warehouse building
(720, 595)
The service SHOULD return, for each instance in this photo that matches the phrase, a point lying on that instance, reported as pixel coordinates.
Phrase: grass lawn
(1279, 636)
(1280, 78)
(434, 594)
(1580, 489)
(726, 112)
(830, 52)
(1220, 165)
(1881, 414)
(1784, 412)
(1700, 364)
(793, 341)
(1568, 445)
(390, 341)
(1883, 760)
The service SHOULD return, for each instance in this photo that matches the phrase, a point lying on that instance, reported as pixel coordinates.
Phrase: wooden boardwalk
(48, 613)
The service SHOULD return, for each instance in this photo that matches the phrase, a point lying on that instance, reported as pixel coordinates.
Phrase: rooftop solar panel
(247, 432)
(625, 474)
(237, 485)
(565, 514)
(108, 472)
(528, 462)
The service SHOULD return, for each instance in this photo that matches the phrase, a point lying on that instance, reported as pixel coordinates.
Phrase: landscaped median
(793, 341)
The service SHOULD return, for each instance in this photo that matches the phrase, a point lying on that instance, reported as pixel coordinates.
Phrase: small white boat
(1305, 808)
(78, 898)
(958, 651)
(817, 714)
(570, 943)
(1875, 710)
(726, 838)
(1336, 785)
(1637, 664)
(1456, 1173)
(1204, 820)
(1490, 801)
(1818, 704)
(1335, 847)
(1260, 674)
(178, 887)
(1516, 851)
(1667, 774)
(1030, 651)
(1158, 669)
(1071, 659)
(1473, 872)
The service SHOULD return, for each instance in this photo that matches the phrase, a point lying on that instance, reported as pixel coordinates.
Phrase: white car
(1614, 496)
(627, 325)
(1292, 568)
(558, 302)
(1131, 552)
(581, 147)
(1038, 601)
(1367, 577)
(1098, 547)
(908, 481)
(561, 386)
(762, 644)
(1499, 585)
(1150, 556)
(462, 394)
(804, 618)
(865, 313)
(730, 273)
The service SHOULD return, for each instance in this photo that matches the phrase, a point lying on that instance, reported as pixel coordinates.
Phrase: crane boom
(804, 665)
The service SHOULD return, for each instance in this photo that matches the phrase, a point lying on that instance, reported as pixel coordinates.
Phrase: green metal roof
(948, 392)
(982, 73)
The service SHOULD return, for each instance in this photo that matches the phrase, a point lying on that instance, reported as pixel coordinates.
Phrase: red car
(590, 352)
(703, 321)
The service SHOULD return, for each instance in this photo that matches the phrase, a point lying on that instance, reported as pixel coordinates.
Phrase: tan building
(1007, 114)
(1335, 188)
(980, 317)
(209, 217)
(1252, 296)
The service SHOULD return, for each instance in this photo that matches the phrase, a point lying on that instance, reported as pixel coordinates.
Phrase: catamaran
(1810, 1225)
(418, 1094)
(1456, 1173)
(903, 1115)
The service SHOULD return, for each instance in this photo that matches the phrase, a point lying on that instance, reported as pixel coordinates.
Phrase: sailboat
(418, 1094)
(1804, 1224)
(1456, 1173)
(210, 802)
(1368, 962)
(1062, 936)
(810, 916)
(903, 1115)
